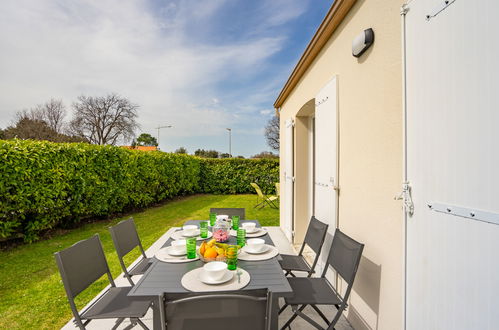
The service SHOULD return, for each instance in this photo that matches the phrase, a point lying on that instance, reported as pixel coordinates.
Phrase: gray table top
(165, 277)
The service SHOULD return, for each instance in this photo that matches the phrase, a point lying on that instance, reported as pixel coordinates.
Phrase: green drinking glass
(213, 219)
(203, 227)
(241, 237)
(235, 222)
(231, 257)
(190, 243)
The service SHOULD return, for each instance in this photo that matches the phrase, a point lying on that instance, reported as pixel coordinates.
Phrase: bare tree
(272, 133)
(54, 112)
(104, 120)
(51, 112)
(35, 129)
(31, 114)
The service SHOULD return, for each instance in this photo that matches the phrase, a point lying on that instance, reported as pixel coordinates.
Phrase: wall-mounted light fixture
(362, 42)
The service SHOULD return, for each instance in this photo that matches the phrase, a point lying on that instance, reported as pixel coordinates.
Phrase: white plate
(170, 251)
(263, 250)
(197, 232)
(163, 255)
(178, 235)
(251, 232)
(205, 279)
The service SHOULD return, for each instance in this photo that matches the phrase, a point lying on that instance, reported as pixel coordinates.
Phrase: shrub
(45, 184)
(234, 175)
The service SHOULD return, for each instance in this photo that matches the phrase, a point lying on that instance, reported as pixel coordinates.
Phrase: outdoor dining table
(162, 277)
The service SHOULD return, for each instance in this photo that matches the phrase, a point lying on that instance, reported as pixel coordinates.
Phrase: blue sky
(199, 65)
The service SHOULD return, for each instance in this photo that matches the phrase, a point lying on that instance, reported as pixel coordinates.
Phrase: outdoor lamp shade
(362, 42)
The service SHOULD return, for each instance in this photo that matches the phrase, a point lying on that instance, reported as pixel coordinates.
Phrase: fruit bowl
(217, 258)
(213, 251)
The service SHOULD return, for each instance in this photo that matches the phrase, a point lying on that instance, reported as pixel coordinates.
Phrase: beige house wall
(370, 156)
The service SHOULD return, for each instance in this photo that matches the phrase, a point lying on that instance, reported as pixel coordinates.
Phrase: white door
(452, 120)
(287, 223)
(326, 157)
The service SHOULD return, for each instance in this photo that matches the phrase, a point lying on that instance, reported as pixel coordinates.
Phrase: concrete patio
(280, 242)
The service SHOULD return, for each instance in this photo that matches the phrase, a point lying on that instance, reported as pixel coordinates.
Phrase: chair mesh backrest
(257, 188)
(81, 265)
(222, 311)
(241, 212)
(125, 237)
(278, 189)
(344, 256)
(316, 233)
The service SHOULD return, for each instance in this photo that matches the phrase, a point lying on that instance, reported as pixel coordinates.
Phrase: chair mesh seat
(141, 267)
(307, 290)
(290, 262)
(115, 303)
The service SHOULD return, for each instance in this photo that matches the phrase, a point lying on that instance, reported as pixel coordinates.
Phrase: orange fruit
(210, 253)
(202, 248)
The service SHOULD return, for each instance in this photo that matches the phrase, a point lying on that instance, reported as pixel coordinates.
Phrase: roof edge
(334, 17)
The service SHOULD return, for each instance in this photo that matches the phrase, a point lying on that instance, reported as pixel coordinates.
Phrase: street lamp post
(230, 142)
(160, 127)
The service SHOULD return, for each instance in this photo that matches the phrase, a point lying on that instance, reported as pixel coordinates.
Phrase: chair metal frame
(266, 200)
(230, 211)
(74, 287)
(309, 240)
(255, 295)
(338, 252)
(123, 247)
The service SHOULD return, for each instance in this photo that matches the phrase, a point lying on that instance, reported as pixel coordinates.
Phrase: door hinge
(335, 187)
(406, 196)
(404, 9)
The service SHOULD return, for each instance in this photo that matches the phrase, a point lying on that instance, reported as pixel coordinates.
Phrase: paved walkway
(280, 242)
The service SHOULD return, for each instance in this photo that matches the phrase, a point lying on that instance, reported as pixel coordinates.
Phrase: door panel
(452, 159)
(287, 225)
(325, 156)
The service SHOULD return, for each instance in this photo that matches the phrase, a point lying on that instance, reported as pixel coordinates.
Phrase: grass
(31, 292)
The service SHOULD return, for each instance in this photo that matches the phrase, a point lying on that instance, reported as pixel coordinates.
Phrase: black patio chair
(344, 257)
(223, 310)
(241, 212)
(81, 265)
(314, 238)
(125, 239)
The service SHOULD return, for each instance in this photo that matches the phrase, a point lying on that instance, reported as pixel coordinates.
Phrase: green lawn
(31, 292)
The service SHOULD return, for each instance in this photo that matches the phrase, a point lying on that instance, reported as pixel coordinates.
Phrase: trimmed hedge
(234, 175)
(45, 184)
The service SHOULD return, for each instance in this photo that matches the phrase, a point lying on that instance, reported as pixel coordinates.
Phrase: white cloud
(63, 49)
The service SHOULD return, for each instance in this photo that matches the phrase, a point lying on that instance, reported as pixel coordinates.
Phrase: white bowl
(189, 229)
(255, 244)
(249, 227)
(179, 246)
(215, 270)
